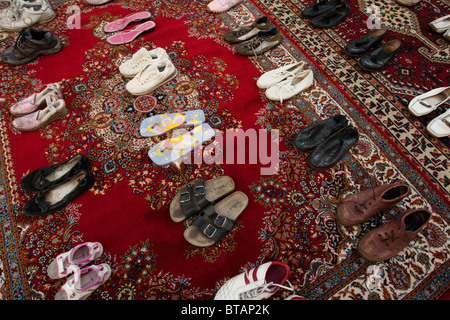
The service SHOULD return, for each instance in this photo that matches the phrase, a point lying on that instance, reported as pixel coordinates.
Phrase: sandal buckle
(209, 233)
(185, 196)
(220, 221)
(199, 191)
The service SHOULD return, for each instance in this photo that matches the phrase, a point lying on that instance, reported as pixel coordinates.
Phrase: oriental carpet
(290, 216)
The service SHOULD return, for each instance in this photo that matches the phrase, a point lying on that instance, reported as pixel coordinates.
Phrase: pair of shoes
(219, 6)
(379, 58)
(98, 2)
(326, 13)
(362, 44)
(408, 3)
(29, 45)
(39, 109)
(388, 240)
(209, 209)
(82, 282)
(329, 140)
(148, 69)
(262, 42)
(427, 103)
(248, 31)
(258, 283)
(23, 14)
(285, 82)
(162, 123)
(442, 25)
(57, 184)
(128, 35)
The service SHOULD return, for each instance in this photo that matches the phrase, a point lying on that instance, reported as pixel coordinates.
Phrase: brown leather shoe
(386, 241)
(263, 42)
(358, 207)
(247, 32)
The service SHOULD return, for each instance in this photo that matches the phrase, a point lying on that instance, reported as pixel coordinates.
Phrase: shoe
(36, 101)
(263, 42)
(311, 136)
(50, 176)
(429, 101)
(140, 59)
(441, 25)
(121, 24)
(216, 220)
(360, 45)
(247, 32)
(258, 283)
(332, 17)
(129, 35)
(333, 150)
(27, 14)
(51, 200)
(218, 6)
(290, 87)
(440, 126)
(408, 3)
(379, 58)
(29, 45)
(162, 123)
(98, 2)
(359, 207)
(56, 109)
(319, 8)
(389, 239)
(79, 256)
(447, 34)
(279, 74)
(152, 77)
(84, 282)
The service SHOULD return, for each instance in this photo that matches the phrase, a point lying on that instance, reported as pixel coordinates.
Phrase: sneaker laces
(266, 287)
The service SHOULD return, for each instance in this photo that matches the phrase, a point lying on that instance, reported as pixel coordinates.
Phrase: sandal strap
(212, 224)
(192, 198)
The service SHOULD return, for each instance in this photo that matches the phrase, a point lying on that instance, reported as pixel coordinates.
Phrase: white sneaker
(277, 75)
(291, 86)
(83, 282)
(140, 59)
(23, 14)
(151, 77)
(257, 284)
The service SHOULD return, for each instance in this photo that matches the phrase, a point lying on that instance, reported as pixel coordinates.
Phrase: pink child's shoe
(121, 24)
(131, 34)
(218, 6)
(36, 100)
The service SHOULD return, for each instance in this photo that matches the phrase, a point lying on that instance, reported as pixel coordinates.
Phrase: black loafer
(46, 177)
(48, 201)
(360, 45)
(311, 136)
(319, 8)
(333, 16)
(378, 58)
(330, 152)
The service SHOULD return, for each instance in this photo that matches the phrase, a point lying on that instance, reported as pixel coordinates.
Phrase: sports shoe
(30, 44)
(247, 32)
(151, 77)
(79, 256)
(84, 282)
(218, 6)
(256, 284)
(36, 100)
(279, 74)
(263, 42)
(286, 89)
(130, 68)
(23, 14)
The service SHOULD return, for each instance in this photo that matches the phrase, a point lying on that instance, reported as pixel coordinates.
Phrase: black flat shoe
(333, 16)
(330, 152)
(319, 8)
(378, 58)
(311, 136)
(46, 177)
(360, 45)
(52, 200)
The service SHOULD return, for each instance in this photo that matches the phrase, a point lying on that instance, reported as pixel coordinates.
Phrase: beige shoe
(291, 86)
(151, 77)
(441, 25)
(130, 68)
(26, 14)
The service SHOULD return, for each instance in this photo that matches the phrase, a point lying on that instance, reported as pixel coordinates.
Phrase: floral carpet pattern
(290, 216)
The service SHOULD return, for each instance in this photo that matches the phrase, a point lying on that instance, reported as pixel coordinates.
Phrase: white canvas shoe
(277, 75)
(441, 24)
(256, 284)
(440, 126)
(23, 14)
(151, 77)
(429, 101)
(291, 86)
(140, 59)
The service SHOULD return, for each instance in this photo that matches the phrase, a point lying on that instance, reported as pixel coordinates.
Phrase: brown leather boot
(359, 207)
(386, 241)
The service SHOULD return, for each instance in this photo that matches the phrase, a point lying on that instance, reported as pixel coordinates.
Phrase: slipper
(440, 126)
(131, 34)
(429, 101)
(170, 150)
(319, 8)
(121, 24)
(333, 16)
(162, 123)
(191, 199)
(216, 220)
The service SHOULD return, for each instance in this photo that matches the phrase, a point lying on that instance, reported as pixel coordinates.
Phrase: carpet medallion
(290, 216)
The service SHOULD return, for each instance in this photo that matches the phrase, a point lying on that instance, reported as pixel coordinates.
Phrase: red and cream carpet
(290, 216)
